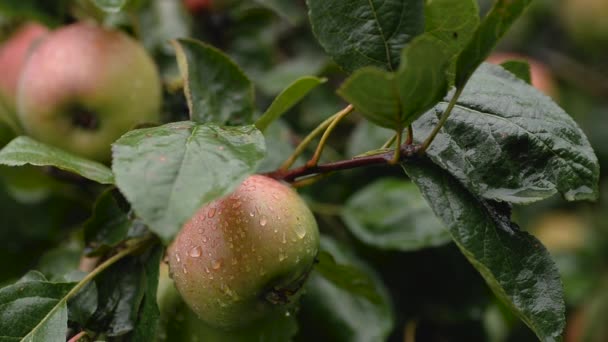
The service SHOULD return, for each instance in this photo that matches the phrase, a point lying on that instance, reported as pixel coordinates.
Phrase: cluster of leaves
(489, 140)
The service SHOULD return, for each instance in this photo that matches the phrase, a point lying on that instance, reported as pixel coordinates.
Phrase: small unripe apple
(13, 54)
(246, 255)
(542, 78)
(84, 86)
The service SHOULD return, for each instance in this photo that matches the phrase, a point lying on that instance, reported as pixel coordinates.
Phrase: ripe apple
(245, 256)
(542, 78)
(13, 54)
(84, 86)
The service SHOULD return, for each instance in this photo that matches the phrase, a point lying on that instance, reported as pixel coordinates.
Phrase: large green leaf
(362, 33)
(515, 265)
(391, 214)
(334, 313)
(34, 309)
(108, 226)
(25, 150)
(394, 100)
(496, 23)
(149, 314)
(507, 141)
(48, 12)
(168, 172)
(216, 89)
(453, 22)
(287, 99)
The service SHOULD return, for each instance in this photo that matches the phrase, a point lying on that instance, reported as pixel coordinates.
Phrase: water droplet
(263, 221)
(284, 239)
(211, 212)
(276, 230)
(216, 264)
(234, 261)
(228, 291)
(200, 231)
(184, 270)
(178, 258)
(251, 213)
(287, 314)
(196, 252)
(205, 239)
(300, 231)
(282, 256)
(236, 204)
(207, 269)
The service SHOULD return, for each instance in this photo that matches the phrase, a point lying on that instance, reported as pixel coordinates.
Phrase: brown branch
(386, 158)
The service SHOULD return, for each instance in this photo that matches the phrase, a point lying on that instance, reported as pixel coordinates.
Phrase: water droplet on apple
(216, 264)
(263, 221)
(205, 239)
(300, 231)
(196, 252)
(211, 212)
(177, 257)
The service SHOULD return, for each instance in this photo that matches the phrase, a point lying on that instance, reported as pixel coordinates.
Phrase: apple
(13, 54)
(196, 6)
(542, 78)
(84, 86)
(585, 20)
(245, 256)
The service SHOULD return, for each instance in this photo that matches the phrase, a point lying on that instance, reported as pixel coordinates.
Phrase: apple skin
(245, 256)
(542, 78)
(197, 6)
(85, 86)
(13, 54)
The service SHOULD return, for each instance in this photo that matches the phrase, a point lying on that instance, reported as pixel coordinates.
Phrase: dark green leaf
(287, 99)
(149, 314)
(110, 6)
(332, 313)
(48, 12)
(58, 262)
(496, 23)
(25, 150)
(516, 266)
(108, 226)
(507, 141)
(217, 90)
(120, 291)
(394, 100)
(168, 172)
(347, 277)
(161, 21)
(84, 303)
(391, 214)
(287, 9)
(362, 33)
(519, 68)
(34, 309)
(453, 22)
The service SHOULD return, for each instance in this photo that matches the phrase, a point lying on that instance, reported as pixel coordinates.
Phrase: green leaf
(279, 146)
(108, 226)
(288, 98)
(391, 214)
(333, 313)
(33, 309)
(361, 33)
(347, 277)
(161, 21)
(507, 141)
(453, 22)
(25, 150)
(48, 12)
(169, 172)
(519, 68)
(149, 314)
(120, 291)
(496, 23)
(110, 6)
(216, 89)
(289, 10)
(515, 265)
(394, 100)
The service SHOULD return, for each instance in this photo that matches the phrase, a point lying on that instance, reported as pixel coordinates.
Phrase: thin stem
(305, 142)
(410, 135)
(397, 155)
(103, 266)
(389, 142)
(339, 116)
(291, 176)
(444, 118)
(78, 336)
